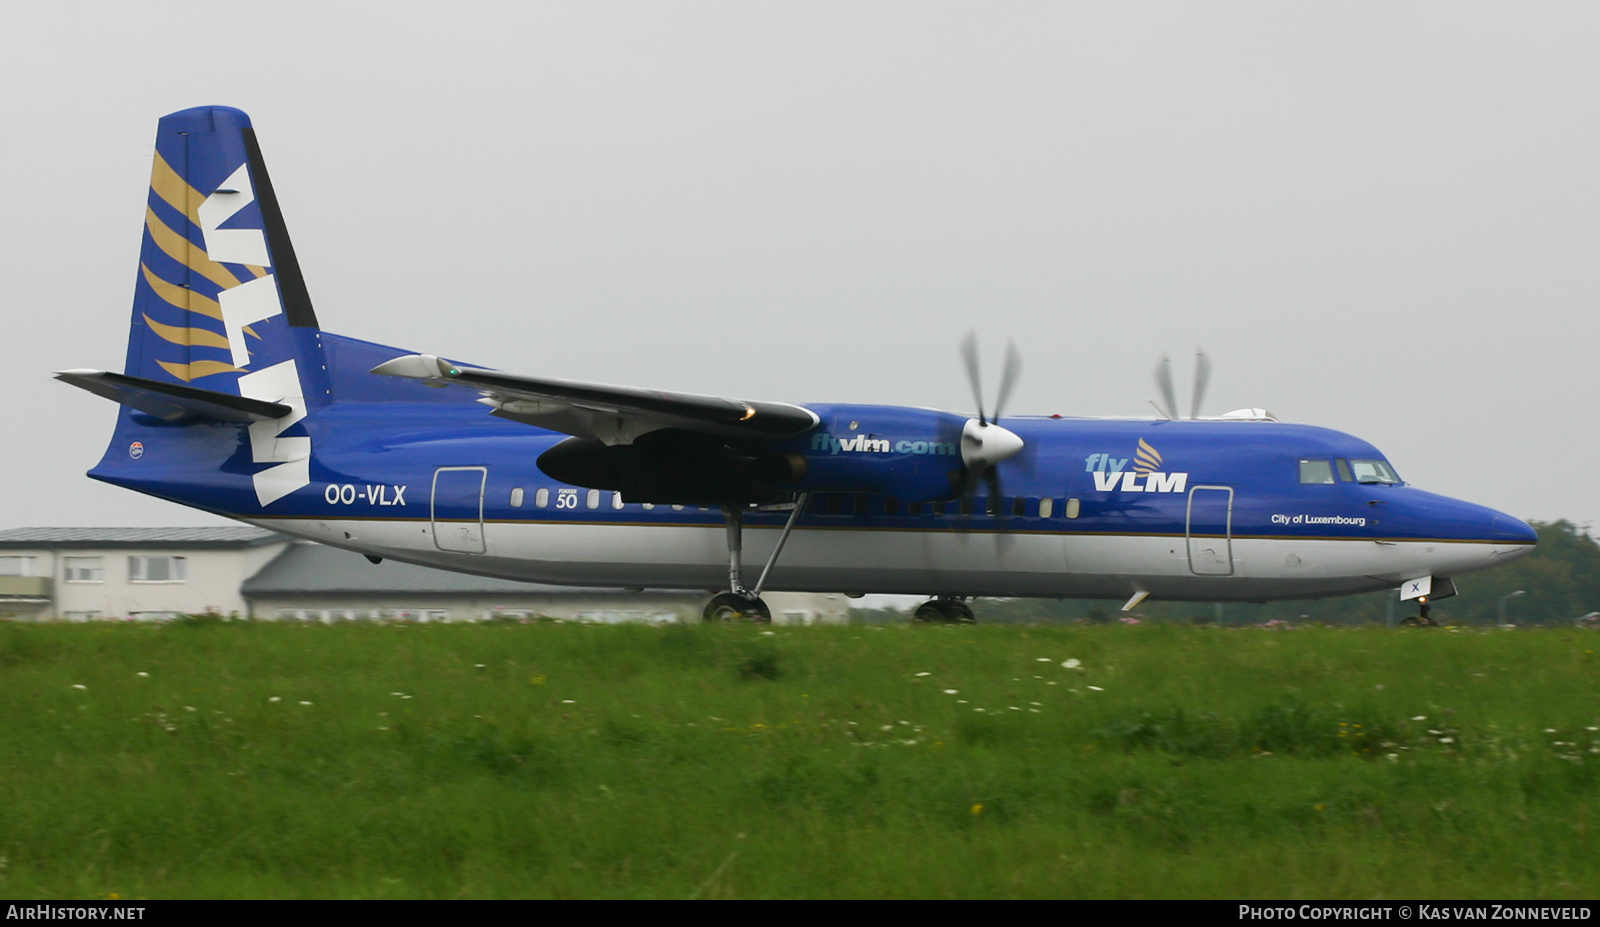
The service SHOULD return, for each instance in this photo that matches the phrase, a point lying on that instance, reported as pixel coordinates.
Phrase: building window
(143, 569)
(16, 566)
(81, 616)
(84, 569)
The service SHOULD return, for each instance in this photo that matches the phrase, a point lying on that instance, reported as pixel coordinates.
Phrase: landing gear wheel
(728, 607)
(1422, 620)
(943, 611)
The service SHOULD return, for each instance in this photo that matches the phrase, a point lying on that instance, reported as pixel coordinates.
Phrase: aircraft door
(457, 510)
(1209, 529)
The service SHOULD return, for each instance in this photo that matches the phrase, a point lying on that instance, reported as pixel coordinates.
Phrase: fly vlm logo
(872, 444)
(1110, 474)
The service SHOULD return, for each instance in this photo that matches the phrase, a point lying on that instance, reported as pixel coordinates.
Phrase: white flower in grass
(77, 686)
(1096, 688)
(951, 691)
(1071, 664)
(276, 698)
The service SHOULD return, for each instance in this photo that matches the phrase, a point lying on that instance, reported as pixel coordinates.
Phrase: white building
(85, 574)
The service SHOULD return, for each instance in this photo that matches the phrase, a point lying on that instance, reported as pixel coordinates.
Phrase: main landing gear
(946, 609)
(740, 603)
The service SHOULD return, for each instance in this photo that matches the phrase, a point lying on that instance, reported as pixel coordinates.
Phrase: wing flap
(613, 414)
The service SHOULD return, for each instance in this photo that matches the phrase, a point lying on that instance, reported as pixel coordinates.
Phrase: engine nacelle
(908, 454)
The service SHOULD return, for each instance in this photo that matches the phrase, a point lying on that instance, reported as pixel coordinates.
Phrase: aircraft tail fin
(223, 330)
(219, 293)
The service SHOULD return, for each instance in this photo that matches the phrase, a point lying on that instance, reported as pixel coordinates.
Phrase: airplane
(234, 400)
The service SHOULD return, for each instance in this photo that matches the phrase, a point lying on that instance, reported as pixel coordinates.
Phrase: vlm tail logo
(1109, 475)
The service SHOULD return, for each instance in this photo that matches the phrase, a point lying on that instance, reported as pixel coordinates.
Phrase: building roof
(221, 536)
(307, 567)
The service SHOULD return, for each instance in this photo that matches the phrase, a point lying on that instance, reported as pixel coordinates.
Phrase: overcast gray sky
(1378, 217)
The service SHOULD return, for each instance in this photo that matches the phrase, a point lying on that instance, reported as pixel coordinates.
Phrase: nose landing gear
(944, 610)
(1421, 620)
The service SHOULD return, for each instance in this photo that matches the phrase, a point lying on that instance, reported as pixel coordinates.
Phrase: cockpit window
(1316, 471)
(1373, 471)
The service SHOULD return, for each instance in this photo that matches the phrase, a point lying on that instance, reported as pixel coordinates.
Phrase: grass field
(241, 759)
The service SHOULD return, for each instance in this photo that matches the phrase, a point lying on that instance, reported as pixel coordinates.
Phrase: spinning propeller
(1202, 376)
(984, 443)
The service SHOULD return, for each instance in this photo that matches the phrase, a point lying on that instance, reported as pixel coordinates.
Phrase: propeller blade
(1164, 380)
(1202, 377)
(1000, 512)
(1008, 376)
(969, 354)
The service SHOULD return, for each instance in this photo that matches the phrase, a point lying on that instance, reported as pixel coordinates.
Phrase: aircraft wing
(611, 414)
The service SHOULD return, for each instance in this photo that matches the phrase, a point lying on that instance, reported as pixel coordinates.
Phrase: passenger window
(541, 498)
(1316, 471)
(914, 508)
(938, 508)
(594, 498)
(1046, 506)
(1073, 506)
(649, 506)
(891, 506)
(1019, 507)
(966, 506)
(616, 500)
(516, 497)
(861, 504)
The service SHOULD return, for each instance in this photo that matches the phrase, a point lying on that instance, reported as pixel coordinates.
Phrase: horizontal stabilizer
(173, 402)
(612, 414)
